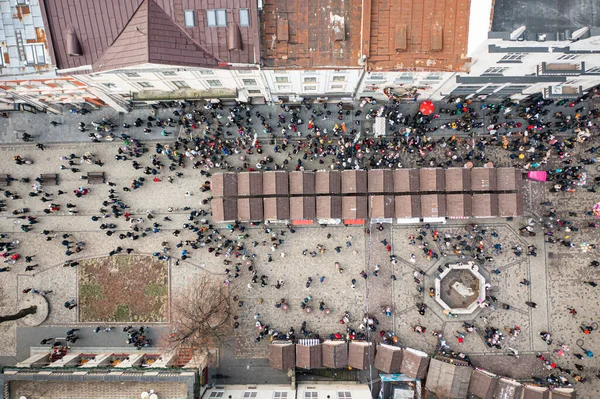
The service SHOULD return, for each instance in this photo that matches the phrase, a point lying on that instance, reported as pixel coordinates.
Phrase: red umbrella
(427, 107)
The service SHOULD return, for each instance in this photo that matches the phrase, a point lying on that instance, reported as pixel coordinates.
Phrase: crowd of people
(533, 134)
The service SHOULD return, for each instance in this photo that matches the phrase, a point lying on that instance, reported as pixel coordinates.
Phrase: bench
(96, 178)
(4, 179)
(49, 179)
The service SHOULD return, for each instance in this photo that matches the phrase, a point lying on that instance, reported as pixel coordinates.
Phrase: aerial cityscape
(280, 199)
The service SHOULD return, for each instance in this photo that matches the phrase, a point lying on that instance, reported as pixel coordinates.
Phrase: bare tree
(202, 317)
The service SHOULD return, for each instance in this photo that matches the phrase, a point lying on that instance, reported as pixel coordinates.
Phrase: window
(22, 2)
(494, 71)
(406, 75)
(284, 87)
(280, 395)
(244, 72)
(244, 17)
(189, 18)
(311, 394)
(207, 72)
(310, 88)
(310, 80)
(180, 84)
(168, 73)
(376, 75)
(344, 395)
(214, 83)
(216, 18)
(110, 85)
(339, 78)
(250, 394)
(434, 76)
(145, 84)
(513, 57)
(568, 57)
(216, 395)
(249, 82)
(1, 57)
(132, 75)
(254, 92)
(338, 87)
(282, 79)
(35, 54)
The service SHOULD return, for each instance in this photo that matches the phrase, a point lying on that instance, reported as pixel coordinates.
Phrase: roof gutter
(76, 69)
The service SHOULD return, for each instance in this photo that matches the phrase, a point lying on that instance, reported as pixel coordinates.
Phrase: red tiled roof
(393, 34)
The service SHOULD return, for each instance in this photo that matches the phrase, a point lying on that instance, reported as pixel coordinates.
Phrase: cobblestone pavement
(556, 274)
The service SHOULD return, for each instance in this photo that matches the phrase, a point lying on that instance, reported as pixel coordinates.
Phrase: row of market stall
(403, 208)
(407, 195)
(374, 181)
(444, 377)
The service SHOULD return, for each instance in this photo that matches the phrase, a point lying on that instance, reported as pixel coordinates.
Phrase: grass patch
(156, 290)
(122, 314)
(94, 291)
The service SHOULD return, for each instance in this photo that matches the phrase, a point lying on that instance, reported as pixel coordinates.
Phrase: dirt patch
(124, 289)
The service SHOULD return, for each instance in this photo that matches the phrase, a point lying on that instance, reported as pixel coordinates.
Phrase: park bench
(49, 179)
(4, 179)
(96, 178)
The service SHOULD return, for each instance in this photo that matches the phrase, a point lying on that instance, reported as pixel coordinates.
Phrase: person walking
(531, 304)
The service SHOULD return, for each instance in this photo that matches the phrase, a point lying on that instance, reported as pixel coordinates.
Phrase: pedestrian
(591, 283)
(531, 304)
(46, 341)
(40, 146)
(572, 311)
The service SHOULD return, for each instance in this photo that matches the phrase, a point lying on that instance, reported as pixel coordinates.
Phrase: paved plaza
(557, 273)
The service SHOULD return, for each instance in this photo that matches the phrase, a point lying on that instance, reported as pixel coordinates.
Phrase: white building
(535, 50)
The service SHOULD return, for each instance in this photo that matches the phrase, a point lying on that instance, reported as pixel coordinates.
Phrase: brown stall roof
(329, 207)
(433, 205)
(328, 182)
(275, 183)
(224, 209)
(393, 35)
(458, 179)
(282, 356)
(381, 181)
(277, 208)
(388, 359)
(310, 34)
(360, 355)
(224, 185)
(303, 208)
(448, 379)
(432, 179)
(407, 206)
(148, 31)
(381, 206)
(250, 209)
(535, 392)
(354, 182)
(483, 179)
(563, 393)
(485, 205)
(509, 179)
(414, 363)
(406, 181)
(250, 183)
(302, 183)
(508, 389)
(335, 354)
(510, 205)
(483, 384)
(458, 206)
(309, 357)
(354, 208)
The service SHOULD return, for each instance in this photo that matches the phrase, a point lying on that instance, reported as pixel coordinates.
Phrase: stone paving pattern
(557, 273)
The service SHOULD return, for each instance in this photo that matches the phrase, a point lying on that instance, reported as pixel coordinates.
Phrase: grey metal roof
(545, 15)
